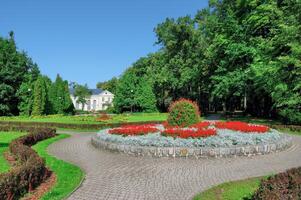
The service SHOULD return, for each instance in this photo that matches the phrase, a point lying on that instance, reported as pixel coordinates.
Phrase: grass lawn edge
(233, 190)
(59, 190)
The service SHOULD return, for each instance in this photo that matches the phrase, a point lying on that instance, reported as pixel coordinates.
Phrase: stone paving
(120, 176)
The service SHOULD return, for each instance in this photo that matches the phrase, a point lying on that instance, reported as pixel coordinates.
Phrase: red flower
(134, 130)
(242, 126)
(200, 125)
(189, 133)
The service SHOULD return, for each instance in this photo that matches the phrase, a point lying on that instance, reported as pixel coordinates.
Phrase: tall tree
(145, 97)
(232, 55)
(25, 92)
(124, 99)
(59, 97)
(14, 69)
(109, 85)
(81, 93)
(39, 97)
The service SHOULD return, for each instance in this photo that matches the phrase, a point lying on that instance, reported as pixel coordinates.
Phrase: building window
(103, 99)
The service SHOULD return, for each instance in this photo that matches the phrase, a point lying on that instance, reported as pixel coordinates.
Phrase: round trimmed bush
(183, 113)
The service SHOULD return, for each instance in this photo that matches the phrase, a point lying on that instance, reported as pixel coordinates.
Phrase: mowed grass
(5, 139)
(68, 175)
(236, 190)
(130, 117)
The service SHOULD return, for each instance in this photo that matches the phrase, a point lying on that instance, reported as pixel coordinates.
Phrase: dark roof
(96, 91)
(93, 91)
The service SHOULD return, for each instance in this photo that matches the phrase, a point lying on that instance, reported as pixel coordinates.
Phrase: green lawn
(5, 139)
(236, 190)
(134, 117)
(68, 176)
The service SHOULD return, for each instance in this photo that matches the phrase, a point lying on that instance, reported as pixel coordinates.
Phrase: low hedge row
(24, 125)
(283, 186)
(290, 127)
(30, 170)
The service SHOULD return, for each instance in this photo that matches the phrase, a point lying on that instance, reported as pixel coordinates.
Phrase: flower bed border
(202, 152)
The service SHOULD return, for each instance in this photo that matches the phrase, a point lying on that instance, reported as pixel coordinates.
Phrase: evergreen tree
(68, 105)
(39, 97)
(59, 97)
(25, 92)
(15, 67)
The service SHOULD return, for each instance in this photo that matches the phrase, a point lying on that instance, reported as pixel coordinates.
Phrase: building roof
(93, 91)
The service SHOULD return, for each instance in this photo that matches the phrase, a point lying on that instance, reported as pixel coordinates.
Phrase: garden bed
(200, 140)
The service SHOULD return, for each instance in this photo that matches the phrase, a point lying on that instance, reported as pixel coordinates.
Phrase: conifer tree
(39, 97)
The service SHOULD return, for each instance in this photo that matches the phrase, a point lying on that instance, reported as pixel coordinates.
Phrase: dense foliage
(286, 185)
(134, 93)
(81, 93)
(183, 113)
(23, 90)
(59, 97)
(17, 72)
(109, 85)
(232, 55)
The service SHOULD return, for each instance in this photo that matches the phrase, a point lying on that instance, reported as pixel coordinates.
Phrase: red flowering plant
(188, 133)
(131, 130)
(200, 125)
(242, 126)
(183, 113)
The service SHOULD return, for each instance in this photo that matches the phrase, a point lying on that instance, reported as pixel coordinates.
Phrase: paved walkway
(119, 176)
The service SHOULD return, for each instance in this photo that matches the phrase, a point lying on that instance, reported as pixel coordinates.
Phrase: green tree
(39, 97)
(145, 96)
(25, 92)
(109, 85)
(59, 97)
(15, 67)
(81, 93)
(232, 55)
(124, 99)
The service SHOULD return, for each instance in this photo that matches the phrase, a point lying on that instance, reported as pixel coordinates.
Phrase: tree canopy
(233, 55)
(81, 92)
(23, 90)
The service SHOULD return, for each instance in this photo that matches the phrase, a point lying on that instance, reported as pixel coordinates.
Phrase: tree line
(24, 90)
(232, 55)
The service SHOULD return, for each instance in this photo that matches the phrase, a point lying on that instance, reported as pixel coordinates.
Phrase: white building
(99, 100)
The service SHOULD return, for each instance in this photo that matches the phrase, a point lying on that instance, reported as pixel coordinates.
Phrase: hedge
(283, 186)
(30, 170)
(26, 125)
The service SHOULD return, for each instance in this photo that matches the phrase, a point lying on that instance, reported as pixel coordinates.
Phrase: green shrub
(31, 170)
(290, 116)
(183, 113)
(283, 186)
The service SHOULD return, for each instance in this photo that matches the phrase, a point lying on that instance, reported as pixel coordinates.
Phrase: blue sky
(88, 41)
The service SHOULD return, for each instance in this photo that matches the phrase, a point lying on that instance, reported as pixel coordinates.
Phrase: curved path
(119, 176)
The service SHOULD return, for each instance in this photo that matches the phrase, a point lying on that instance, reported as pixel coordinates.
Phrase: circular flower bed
(204, 136)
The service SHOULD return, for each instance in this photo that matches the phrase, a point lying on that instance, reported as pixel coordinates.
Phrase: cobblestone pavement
(119, 176)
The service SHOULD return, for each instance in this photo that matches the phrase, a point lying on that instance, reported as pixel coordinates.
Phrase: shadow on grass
(2, 145)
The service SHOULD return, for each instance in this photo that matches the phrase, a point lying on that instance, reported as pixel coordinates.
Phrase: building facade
(99, 100)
